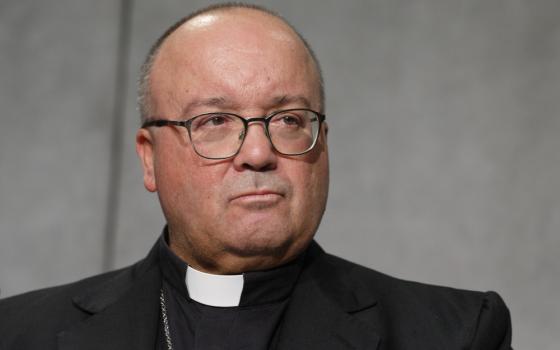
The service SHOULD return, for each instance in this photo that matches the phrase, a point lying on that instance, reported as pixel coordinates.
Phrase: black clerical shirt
(254, 324)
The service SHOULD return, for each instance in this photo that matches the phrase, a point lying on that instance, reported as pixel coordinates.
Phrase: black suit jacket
(335, 305)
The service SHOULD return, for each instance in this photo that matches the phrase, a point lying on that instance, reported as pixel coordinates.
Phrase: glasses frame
(246, 121)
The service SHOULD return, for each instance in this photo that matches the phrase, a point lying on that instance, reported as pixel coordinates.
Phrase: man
(234, 142)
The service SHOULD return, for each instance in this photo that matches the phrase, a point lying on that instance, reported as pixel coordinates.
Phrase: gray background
(444, 140)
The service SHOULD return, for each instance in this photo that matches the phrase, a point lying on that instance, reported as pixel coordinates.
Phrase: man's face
(259, 208)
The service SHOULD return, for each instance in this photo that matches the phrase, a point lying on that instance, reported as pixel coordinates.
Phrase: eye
(215, 120)
(212, 121)
(291, 119)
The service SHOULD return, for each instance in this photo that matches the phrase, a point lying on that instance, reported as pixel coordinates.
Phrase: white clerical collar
(214, 290)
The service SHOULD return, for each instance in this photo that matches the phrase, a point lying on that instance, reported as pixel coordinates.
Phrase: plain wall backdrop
(444, 140)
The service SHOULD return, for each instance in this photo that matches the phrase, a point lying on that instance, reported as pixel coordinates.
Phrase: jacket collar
(124, 311)
(329, 309)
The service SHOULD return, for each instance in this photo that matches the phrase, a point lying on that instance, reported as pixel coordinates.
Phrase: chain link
(165, 320)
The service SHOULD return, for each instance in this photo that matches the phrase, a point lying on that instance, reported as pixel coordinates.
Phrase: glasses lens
(294, 131)
(216, 135)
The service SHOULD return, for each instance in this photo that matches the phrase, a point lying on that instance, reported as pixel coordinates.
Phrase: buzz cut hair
(144, 89)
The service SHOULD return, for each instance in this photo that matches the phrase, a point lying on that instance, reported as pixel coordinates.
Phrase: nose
(256, 153)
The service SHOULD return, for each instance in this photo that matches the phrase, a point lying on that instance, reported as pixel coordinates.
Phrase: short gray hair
(144, 93)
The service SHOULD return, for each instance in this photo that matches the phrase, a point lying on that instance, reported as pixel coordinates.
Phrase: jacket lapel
(328, 311)
(125, 313)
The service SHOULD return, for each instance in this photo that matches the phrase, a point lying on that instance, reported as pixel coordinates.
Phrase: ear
(145, 151)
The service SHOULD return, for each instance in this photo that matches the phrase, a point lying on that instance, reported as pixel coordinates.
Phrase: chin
(260, 244)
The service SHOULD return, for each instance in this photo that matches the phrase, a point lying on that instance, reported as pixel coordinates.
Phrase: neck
(254, 288)
(221, 262)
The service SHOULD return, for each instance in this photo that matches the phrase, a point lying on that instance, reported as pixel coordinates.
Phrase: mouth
(257, 198)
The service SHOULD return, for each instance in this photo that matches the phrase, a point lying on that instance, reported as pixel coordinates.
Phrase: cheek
(310, 186)
(185, 183)
(196, 189)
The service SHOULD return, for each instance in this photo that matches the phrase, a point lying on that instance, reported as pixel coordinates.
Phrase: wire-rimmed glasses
(220, 135)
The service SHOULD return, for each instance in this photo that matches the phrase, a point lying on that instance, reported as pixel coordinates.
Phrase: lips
(257, 194)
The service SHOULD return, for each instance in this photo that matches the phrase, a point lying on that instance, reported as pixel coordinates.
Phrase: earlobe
(145, 151)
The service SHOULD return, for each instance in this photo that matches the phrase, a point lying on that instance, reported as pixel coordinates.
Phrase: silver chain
(165, 320)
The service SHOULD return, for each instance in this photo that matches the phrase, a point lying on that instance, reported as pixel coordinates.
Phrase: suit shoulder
(51, 296)
(470, 318)
(117, 280)
(386, 286)
(47, 311)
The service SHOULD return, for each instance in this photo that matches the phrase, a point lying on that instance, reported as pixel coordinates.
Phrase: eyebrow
(290, 99)
(206, 102)
(223, 103)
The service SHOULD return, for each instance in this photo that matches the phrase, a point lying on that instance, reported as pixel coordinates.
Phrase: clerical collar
(214, 290)
(249, 289)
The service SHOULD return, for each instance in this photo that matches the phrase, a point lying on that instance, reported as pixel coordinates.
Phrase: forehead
(230, 22)
(232, 56)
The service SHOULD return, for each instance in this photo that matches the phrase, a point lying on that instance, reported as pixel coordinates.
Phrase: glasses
(220, 135)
